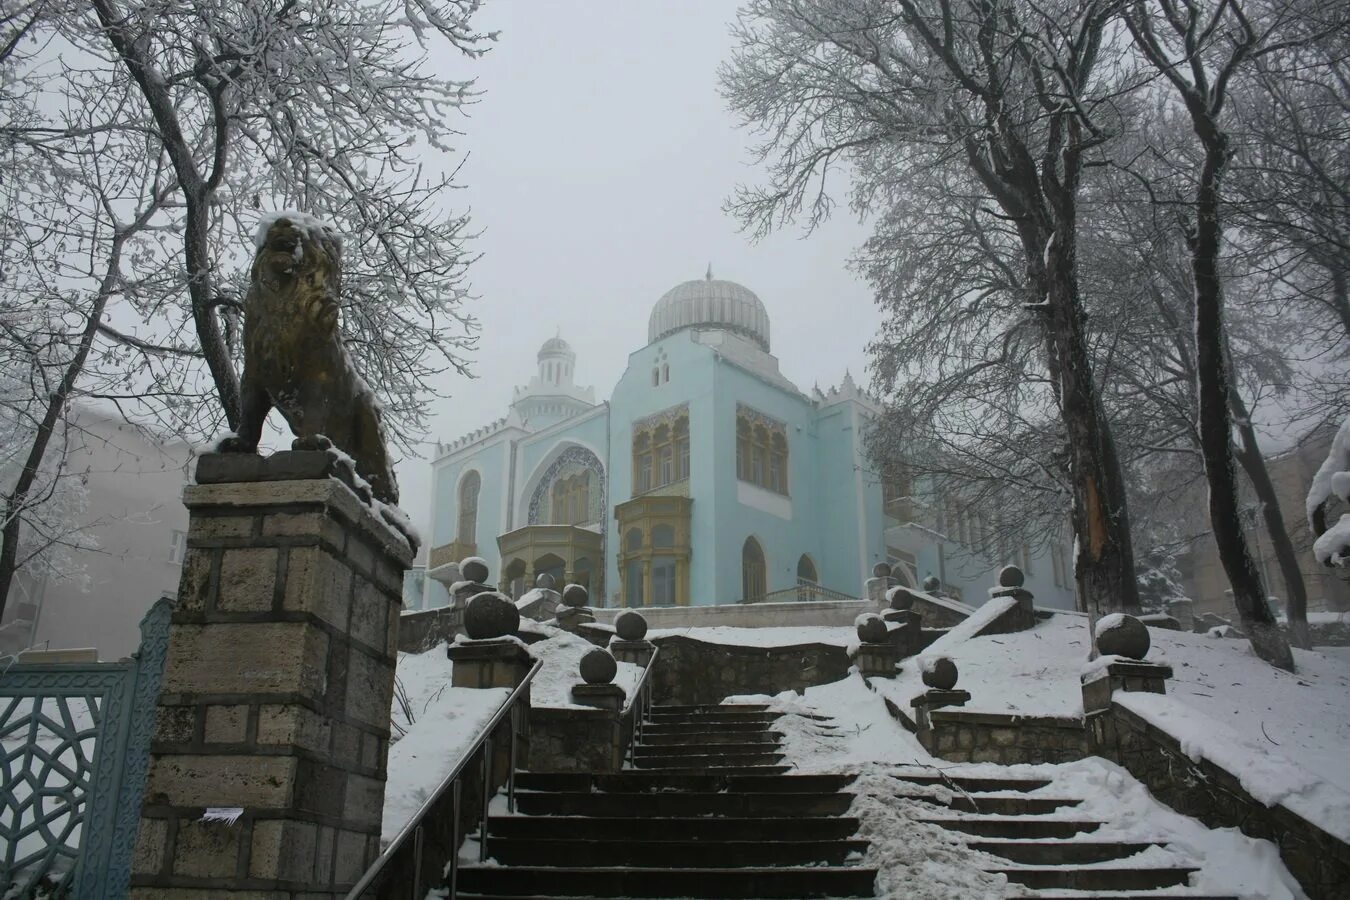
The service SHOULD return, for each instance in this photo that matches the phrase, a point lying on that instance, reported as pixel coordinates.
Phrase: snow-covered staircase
(1043, 844)
(707, 810)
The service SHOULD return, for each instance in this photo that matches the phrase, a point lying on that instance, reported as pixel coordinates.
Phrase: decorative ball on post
(490, 615)
(575, 596)
(629, 625)
(881, 570)
(939, 672)
(475, 569)
(871, 628)
(1011, 577)
(900, 598)
(545, 581)
(931, 584)
(1122, 635)
(598, 667)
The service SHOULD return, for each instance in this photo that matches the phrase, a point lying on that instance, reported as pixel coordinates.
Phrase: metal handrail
(639, 703)
(413, 828)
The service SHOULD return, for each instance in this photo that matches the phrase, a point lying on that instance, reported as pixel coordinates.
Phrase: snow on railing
(411, 837)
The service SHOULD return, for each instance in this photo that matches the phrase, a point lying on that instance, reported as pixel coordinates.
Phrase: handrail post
(418, 838)
(511, 772)
(454, 839)
(487, 799)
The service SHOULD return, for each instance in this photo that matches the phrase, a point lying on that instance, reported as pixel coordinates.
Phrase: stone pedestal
(1184, 612)
(876, 660)
(639, 653)
(875, 588)
(602, 696)
(1122, 675)
(570, 617)
(274, 708)
(467, 590)
(906, 632)
(932, 699)
(493, 663)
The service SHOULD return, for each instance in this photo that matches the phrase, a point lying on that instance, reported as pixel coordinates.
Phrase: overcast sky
(599, 157)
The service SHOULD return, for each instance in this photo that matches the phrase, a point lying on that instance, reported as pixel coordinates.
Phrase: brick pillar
(277, 687)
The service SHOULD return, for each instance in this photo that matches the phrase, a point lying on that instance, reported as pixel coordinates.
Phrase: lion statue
(293, 354)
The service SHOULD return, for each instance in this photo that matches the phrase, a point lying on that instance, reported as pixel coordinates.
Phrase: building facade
(136, 518)
(706, 478)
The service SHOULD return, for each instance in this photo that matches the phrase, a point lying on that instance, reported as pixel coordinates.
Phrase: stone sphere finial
(544, 581)
(900, 597)
(1121, 635)
(871, 628)
(474, 568)
(931, 583)
(1011, 577)
(630, 625)
(881, 570)
(939, 672)
(490, 615)
(598, 667)
(575, 596)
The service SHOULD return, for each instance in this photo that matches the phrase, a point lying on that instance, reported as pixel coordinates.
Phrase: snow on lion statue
(293, 354)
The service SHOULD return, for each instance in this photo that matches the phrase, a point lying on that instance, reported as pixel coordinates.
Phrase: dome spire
(708, 277)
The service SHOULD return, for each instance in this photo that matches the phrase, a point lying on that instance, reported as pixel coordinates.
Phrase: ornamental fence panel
(74, 749)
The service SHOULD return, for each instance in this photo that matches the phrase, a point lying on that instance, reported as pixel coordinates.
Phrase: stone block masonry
(276, 691)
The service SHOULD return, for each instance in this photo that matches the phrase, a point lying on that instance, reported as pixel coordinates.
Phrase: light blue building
(706, 478)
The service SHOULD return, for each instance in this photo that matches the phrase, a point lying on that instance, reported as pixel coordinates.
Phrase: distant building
(1292, 472)
(135, 487)
(706, 478)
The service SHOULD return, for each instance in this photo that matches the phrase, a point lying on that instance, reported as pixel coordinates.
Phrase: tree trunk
(1215, 420)
(1296, 593)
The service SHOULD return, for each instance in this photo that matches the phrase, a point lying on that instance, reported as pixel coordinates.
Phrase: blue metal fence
(74, 749)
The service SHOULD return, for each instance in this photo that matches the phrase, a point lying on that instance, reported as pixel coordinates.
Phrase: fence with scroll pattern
(74, 748)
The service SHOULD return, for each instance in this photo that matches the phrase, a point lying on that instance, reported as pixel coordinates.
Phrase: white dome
(710, 303)
(555, 346)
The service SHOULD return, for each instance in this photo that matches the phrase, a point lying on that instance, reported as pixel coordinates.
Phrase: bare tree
(1198, 48)
(1017, 93)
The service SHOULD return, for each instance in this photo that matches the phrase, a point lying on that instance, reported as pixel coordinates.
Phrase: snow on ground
(775, 636)
(922, 860)
(446, 720)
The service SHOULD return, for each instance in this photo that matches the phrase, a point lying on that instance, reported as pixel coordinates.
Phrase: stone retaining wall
(750, 615)
(421, 630)
(1216, 797)
(691, 671)
(1002, 738)
(567, 739)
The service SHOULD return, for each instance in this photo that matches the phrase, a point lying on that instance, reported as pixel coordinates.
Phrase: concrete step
(711, 737)
(1014, 826)
(676, 710)
(568, 803)
(1098, 878)
(531, 851)
(996, 805)
(753, 727)
(1125, 895)
(675, 828)
(973, 783)
(703, 720)
(757, 769)
(714, 749)
(1059, 853)
(704, 761)
(518, 881)
(651, 780)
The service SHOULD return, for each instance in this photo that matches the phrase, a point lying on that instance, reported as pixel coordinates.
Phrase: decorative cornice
(665, 417)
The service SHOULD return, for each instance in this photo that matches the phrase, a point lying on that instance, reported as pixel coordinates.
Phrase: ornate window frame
(646, 516)
(660, 445)
(762, 450)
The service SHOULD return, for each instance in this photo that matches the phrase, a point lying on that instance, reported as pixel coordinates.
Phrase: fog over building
(706, 477)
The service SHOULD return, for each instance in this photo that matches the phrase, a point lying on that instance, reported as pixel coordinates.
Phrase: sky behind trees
(599, 157)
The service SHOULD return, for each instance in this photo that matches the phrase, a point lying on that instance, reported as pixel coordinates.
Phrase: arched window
(663, 536)
(754, 576)
(665, 372)
(633, 540)
(806, 570)
(468, 507)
